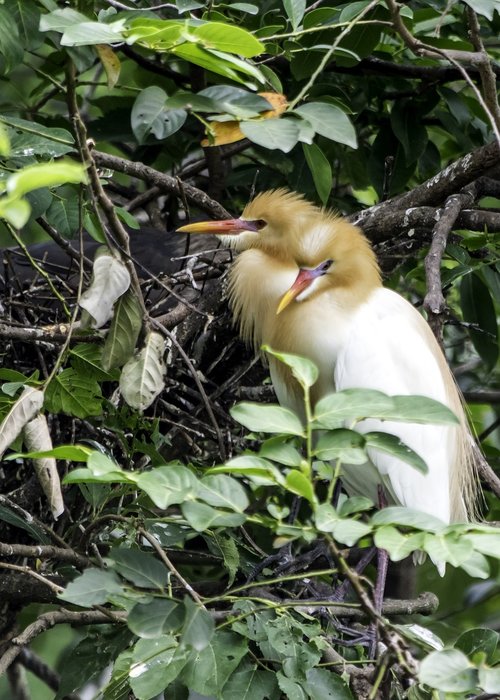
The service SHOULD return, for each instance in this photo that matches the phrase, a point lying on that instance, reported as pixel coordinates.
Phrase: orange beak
(227, 227)
(305, 277)
(302, 281)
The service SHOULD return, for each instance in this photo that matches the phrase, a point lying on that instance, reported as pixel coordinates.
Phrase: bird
(307, 282)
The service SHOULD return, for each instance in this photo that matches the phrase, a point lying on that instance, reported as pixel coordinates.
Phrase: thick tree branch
(432, 192)
(166, 183)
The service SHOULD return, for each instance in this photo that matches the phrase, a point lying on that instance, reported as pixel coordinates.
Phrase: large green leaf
(448, 670)
(272, 133)
(228, 38)
(357, 404)
(329, 121)
(478, 309)
(220, 490)
(303, 369)
(267, 418)
(199, 626)
(295, 11)
(156, 663)
(321, 170)
(124, 331)
(168, 485)
(141, 568)
(155, 618)
(75, 394)
(151, 116)
(93, 587)
(208, 670)
(392, 445)
(11, 48)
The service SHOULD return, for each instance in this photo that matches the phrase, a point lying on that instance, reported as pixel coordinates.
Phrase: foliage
(187, 569)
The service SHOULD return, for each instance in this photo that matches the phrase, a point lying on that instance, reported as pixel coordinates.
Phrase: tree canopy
(150, 507)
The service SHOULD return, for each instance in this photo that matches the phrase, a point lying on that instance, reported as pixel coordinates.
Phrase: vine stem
(329, 54)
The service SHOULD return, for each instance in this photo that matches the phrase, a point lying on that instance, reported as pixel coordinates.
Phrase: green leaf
(477, 566)
(228, 38)
(280, 450)
(480, 640)
(329, 121)
(73, 453)
(251, 466)
(410, 132)
(202, 517)
(321, 170)
(295, 11)
(484, 7)
(343, 444)
(272, 133)
(168, 485)
(91, 33)
(141, 568)
(64, 215)
(355, 504)
(86, 358)
(478, 309)
(392, 445)
(150, 115)
(325, 685)
(298, 483)
(326, 517)
(60, 19)
(266, 418)
(31, 138)
(124, 331)
(15, 211)
(349, 531)
(70, 392)
(156, 663)
(485, 543)
(208, 670)
(218, 62)
(45, 175)
(357, 404)
(93, 587)
(398, 545)
(448, 547)
(408, 517)
(199, 626)
(223, 491)
(110, 279)
(304, 370)
(448, 670)
(155, 618)
(489, 679)
(291, 689)
(250, 684)
(11, 48)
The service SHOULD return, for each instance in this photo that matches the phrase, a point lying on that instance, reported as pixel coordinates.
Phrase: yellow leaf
(222, 133)
(110, 63)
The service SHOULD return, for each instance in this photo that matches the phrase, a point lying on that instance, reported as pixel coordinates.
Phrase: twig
(48, 620)
(43, 552)
(163, 556)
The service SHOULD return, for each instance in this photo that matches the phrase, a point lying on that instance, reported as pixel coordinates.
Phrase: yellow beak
(227, 227)
(302, 281)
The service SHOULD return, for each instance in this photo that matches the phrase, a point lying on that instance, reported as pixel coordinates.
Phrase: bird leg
(340, 593)
(378, 591)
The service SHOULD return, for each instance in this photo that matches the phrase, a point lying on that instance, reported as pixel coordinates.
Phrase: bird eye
(259, 224)
(324, 267)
